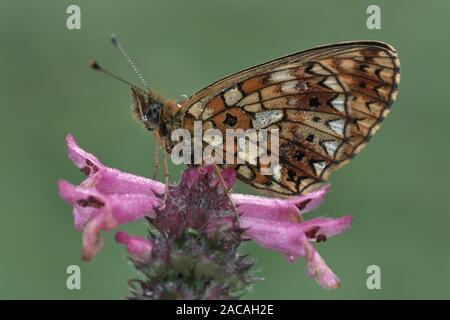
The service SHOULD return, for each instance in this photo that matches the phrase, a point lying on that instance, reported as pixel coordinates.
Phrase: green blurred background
(396, 188)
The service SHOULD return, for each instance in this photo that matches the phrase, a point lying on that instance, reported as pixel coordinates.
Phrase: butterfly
(326, 102)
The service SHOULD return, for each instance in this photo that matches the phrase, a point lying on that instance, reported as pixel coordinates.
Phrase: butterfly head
(147, 108)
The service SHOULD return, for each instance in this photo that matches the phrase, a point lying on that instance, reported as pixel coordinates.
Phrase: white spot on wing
(338, 103)
(331, 82)
(277, 172)
(280, 76)
(232, 96)
(319, 166)
(266, 118)
(207, 113)
(330, 147)
(197, 108)
(318, 69)
(250, 99)
(337, 125)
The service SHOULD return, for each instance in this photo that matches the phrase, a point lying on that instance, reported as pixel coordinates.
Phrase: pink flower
(106, 198)
(278, 225)
(109, 197)
(140, 249)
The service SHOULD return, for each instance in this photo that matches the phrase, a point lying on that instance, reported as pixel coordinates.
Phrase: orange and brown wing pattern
(326, 102)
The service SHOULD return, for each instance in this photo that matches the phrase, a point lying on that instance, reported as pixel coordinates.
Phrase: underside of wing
(326, 103)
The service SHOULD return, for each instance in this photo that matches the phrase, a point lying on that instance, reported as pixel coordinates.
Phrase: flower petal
(284, 236)
(317, 267)
(138, 248)
(279, 209)
(85, 203)
(123, 208)
(88, 163)
(322, 228)
(106, 198)
(108, 180)
(311, 200)
(280, 236)
(92, 242)
(293, 240)
(94, 211)
(113, 181)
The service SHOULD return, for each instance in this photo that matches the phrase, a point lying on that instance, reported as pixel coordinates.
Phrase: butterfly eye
(152, 113)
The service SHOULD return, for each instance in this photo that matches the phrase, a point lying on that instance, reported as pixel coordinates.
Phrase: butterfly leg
(166, 171)
(165, 166)
(227, 189)
(155, 157)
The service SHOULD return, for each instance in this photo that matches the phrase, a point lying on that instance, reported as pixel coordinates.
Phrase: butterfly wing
(327, 103)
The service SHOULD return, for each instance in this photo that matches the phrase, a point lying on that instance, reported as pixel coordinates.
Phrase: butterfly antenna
(94, 65)
(115, 41)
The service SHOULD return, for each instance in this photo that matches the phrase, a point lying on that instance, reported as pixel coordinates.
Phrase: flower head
(140, 249)
(197, 217)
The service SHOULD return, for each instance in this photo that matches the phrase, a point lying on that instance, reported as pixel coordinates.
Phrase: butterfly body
(326, 103)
